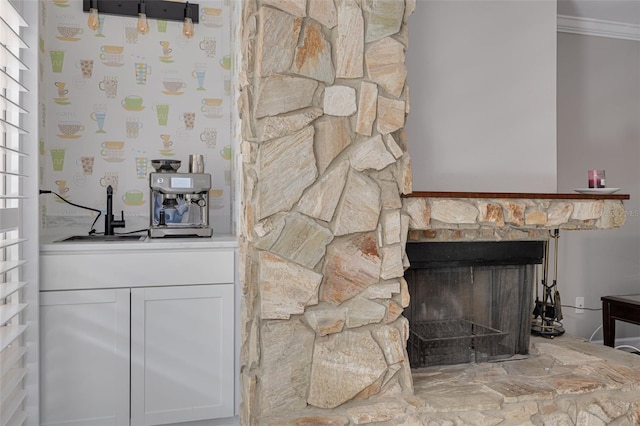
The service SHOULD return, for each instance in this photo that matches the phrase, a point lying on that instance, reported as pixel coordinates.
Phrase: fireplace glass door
(460, 314)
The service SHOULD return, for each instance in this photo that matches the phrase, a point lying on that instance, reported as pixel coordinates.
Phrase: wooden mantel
(522, 195)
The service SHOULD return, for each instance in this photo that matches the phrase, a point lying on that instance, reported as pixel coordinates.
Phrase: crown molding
(598, 28)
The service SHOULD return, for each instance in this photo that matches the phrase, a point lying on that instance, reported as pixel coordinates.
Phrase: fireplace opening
(470, 301)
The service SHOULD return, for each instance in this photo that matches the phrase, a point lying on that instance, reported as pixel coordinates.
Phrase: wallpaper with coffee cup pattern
(112, 100)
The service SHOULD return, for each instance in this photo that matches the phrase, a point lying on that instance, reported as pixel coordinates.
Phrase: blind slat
(18, 419)
(10, 82)
(8, 265)
(9, 409)
(8, 311)
(12, 242)
(12, 58)
(7, 289)
(9, 333)
(10, 382)
(9, 105)
(10, 127)
(11, 357)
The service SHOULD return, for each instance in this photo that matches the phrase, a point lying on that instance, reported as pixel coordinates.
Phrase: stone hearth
(563, 381)
(323, 100)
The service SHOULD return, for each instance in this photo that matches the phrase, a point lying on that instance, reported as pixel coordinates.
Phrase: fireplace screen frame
(470, 301)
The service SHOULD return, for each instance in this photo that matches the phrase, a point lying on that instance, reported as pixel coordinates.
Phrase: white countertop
(48, 244)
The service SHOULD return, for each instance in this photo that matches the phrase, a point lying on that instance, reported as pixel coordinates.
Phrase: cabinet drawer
(90, 270)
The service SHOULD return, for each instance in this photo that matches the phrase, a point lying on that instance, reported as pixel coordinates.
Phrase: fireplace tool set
(547, 313)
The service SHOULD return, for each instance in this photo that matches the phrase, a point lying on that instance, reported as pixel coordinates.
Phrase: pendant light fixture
(187, 14)
(187, 26)
(143, 25)
(93, 21)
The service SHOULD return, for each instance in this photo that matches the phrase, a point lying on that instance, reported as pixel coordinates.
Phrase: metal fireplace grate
(454, 341)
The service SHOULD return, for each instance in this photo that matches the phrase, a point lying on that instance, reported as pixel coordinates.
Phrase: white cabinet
(160, 355)
(181, 354)
(84, 357)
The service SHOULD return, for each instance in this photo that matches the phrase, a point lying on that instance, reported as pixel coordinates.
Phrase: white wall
(599, 127)
(482, 77)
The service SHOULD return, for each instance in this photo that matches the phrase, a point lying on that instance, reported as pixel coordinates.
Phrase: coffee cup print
(225, 152)
(70, 129)
(110, 178)
(57, 159)
(211, 107)
(86, 163)
(225, 62)
(173, 86)
(110, 49)
(167, 144)
(131, 32)
(211, 17)
(112, 59)
(162, 25)
(98, 115)
(132, 127)
(62, 186)
(133, 197)
(62, 92)
(60, 85)
(209, 136)
(162, 112)
(86, 67)
(208, 46)
(142, 70)
(189, 119)
(141, 167)
(166, 52)
(132, 103)
(57, 60)
(69, 33)
(199, 73)
(109, 85)
(112, 151)
(215, 195)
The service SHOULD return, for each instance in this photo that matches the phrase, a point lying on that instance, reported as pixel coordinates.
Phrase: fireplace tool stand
(547, 313)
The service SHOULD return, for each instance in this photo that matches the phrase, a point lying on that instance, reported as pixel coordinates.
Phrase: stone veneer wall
(497, 219)
(323, 101)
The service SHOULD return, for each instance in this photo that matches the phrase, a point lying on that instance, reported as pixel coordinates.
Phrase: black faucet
(109, 222)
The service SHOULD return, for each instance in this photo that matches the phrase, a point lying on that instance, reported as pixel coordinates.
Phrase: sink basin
(102, 238)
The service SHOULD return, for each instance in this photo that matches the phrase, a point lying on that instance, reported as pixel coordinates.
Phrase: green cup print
(57, 60)
(132, 103)
(225, 62)
(162, 25)
(57, 159)
(226, 152)
(162, 112)
(133, 197)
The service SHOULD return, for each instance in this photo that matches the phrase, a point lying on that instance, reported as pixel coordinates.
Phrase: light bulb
(187, 28)
(93, 21)
(143, 25)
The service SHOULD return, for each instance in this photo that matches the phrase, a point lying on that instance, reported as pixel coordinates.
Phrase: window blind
(13, 193)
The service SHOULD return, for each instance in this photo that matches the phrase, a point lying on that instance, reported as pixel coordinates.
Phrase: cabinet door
(182, 354)
(84, 357)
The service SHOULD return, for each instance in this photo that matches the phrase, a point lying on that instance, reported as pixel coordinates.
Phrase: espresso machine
(179, 201)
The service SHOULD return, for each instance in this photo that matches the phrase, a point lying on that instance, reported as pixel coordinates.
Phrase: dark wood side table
(623, 308)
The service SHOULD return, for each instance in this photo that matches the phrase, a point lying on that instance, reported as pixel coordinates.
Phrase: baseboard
(626, 341)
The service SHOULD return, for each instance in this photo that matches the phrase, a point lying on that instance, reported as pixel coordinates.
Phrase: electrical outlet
(579, 305)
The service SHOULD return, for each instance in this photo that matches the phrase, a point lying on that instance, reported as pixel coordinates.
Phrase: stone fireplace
(322, 102)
